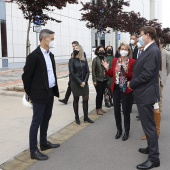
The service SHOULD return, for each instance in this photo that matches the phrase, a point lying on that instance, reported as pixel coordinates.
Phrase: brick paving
(13, 77)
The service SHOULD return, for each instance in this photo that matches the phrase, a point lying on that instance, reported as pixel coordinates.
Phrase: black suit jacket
(35, 77)
(134, 52)
(145, 76)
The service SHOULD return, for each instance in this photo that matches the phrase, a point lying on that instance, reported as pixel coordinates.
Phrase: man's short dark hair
(149, 30)
(134, 35)
(45, 33)
(75, 42)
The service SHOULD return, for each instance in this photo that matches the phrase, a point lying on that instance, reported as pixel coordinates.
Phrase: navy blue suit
(146, 93)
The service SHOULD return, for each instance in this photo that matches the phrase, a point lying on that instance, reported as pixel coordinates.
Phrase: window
(4, 38)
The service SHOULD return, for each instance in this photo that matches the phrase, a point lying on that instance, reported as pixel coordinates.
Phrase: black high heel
(125, 136)
(77, 120)
(88, 120)
(118, 134)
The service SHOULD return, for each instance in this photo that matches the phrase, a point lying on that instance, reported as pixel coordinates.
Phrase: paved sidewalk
(15, 119)
(11, 83)
(83, 147)
(94, 148)
(13, 76)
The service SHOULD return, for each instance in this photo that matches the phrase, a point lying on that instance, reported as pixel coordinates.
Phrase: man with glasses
(146, 93)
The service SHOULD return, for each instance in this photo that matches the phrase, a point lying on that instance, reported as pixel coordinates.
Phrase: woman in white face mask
(121, 71)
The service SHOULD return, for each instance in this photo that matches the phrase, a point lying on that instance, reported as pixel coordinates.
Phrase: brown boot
(99, 112)
(157, 118)
(143, 137)
(103, 111)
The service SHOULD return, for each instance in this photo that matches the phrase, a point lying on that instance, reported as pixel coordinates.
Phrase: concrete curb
(22, 161)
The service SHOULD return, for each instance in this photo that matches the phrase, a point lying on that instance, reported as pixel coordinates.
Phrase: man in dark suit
(133, 46)
(40, 84)
(146, 93)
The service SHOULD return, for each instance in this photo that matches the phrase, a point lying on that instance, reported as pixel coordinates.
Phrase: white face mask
(123, 53)
(141, 41)
(132, 41)
(52, 44)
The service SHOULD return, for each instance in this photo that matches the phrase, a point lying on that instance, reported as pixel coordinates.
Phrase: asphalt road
(94, 148)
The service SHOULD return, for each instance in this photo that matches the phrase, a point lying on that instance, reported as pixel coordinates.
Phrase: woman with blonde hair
(79, 74)
(121, 71)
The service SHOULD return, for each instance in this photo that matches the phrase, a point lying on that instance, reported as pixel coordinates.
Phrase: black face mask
(75, 52)
(101, 53)
(109, 52)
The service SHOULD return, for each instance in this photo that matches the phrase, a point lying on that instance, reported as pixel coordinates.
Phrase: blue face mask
(141, 41)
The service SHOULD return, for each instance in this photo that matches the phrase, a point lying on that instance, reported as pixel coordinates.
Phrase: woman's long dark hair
(97, 49)
(111, 48)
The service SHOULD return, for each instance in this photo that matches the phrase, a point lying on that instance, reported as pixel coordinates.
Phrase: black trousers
(41, 116)
(68, 93)
(127, 101)
(148, 124)
(100, 88)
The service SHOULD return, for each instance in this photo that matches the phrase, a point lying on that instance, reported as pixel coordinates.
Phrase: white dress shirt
(51, 78)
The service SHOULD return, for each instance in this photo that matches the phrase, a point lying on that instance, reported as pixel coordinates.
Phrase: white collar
(44, 51)
(148, 45)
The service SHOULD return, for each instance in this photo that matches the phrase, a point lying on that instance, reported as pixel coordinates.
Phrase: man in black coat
(146, 93)
(40, 84)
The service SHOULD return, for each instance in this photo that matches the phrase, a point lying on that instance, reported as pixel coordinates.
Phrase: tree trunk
(28, 40)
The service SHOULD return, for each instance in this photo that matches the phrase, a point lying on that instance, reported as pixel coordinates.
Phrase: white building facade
(13, 31)
(149, 9)
(70, 29)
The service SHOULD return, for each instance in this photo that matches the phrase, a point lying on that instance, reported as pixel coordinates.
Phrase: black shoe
(125, 136)
(148, 165)
(118, 134)
(138, 117)
(107, 105)
(38, 156)
(63, 101)
(49, 145)
(144, 150)
(77, 120)
(88, 120)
